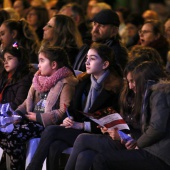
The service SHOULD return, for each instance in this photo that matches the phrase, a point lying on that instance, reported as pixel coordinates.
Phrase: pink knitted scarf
(44, 83)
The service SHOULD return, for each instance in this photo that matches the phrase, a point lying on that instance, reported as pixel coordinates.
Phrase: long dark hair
(58, 54)
(141, 75)
(138, 55)
(23, 67)
(107, 54)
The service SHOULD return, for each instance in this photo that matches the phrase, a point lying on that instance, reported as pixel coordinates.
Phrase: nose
(95, 27)
(87, 62)
(131, 85)
(44, 28)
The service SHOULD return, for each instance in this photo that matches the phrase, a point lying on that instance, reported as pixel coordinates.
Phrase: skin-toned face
(94, 64)
(147, 35)
(6, 36)
(131, 82)
(167, 29)
(49, 30)
(132, 30)
(10, 63)
(102, 32)
(18, 6)
(32, 18)
(46, 67)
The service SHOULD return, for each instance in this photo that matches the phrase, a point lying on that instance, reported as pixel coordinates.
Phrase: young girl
(85, 148)
(100, 87)
(12, 30)
(50, 94)
(16, 78)
(151, 149)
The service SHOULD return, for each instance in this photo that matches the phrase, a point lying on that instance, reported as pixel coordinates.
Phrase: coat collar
(111, 83)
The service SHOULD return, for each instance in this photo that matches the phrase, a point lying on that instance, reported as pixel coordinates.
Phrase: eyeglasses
(49, 26)
(144, 31)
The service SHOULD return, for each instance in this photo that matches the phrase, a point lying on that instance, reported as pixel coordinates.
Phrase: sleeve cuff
(38, 118)
(87, 126)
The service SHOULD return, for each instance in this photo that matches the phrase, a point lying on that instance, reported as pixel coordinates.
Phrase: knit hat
(107, 16)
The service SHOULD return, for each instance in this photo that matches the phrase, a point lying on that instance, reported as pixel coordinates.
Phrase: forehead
(147, 26)
(66, 11)
(129, 76)
(52, 20)
(18, 3)
(91, 51)
(3, 27)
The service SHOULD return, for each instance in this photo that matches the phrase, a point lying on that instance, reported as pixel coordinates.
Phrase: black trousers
(100, 152)
(54, 139)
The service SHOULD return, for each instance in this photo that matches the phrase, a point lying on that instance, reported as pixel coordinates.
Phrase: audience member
(21, 6)
(48, 98)
(167, 29)
(105, 31)
(4, 15)
(37, 17)
(122, 13)
(75, 11)
(15, 81)
(61, 31)
(100, 85)
(19, 31)
(151, 34)
(133, 23)
(108, 152)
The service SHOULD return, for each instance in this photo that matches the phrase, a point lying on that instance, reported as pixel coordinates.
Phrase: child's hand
(114, 134)
(67, 122)
(131, 144)
(31, 116)
(103, 129)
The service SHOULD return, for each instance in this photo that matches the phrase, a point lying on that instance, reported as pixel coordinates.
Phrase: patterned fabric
(44, 83)
(14, 143)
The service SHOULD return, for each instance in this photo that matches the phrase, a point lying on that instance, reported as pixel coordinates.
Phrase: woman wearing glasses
(151, 35)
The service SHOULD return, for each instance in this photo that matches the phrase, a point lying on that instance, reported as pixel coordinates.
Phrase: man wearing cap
(105, 30)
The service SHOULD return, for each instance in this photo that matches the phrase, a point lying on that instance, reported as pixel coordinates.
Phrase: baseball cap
(107, 16)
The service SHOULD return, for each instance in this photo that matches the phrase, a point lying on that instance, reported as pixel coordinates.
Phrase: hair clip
(15, 45)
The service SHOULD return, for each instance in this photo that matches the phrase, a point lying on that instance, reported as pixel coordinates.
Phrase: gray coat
(156, 127)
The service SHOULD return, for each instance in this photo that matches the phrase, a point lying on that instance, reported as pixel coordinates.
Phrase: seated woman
(100, 86)
(150, 149)
(50, 94)
(151, 35)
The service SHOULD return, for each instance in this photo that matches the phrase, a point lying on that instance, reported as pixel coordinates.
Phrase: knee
(82, 138)
(50, 131)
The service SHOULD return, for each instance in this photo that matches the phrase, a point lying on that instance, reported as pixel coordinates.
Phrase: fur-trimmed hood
(112, 82)
(162, 85)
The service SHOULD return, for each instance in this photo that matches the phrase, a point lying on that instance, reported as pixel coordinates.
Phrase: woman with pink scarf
(49, 96)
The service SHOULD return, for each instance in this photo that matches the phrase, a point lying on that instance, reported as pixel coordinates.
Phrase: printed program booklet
(108, 118)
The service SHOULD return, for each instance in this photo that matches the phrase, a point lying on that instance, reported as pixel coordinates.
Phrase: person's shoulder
(162, 86)
(113, 82)
(83, 76)
(71, 80)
